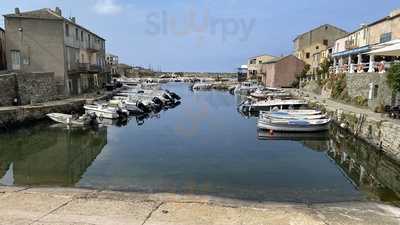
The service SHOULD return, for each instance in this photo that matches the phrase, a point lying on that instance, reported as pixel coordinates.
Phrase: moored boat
(105, 111)
(72, 120)
(293, 125)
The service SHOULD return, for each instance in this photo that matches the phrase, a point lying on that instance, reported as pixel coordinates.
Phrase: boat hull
(292, 128)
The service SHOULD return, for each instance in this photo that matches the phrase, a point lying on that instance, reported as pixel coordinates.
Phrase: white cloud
(107, 7)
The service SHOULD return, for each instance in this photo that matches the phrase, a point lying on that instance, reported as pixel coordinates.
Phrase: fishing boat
(246, 87)
(266, 94)
(293, 125)
(71, 120)
(272, 105)
(105, 111)
(125, 103)
(202, 86)
(293, 115)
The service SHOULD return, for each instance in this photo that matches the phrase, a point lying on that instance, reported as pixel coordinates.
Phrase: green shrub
(393, 77)
(360, 100)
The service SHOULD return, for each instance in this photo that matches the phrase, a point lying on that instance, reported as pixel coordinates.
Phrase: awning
(352, 51)
(392, 50)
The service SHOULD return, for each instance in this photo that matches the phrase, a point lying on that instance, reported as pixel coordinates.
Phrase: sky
(206, 35)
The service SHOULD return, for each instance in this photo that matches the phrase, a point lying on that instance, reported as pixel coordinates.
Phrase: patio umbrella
(391, 50)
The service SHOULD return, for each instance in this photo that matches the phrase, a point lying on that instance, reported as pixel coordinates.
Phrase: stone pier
(39, 206)
(375, 128)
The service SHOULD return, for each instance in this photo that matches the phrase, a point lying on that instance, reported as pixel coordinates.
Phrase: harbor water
(203, 146)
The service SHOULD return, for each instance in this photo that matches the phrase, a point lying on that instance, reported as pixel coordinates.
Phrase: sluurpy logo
(200, 24)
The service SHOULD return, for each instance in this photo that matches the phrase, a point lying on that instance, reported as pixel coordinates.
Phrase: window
(307, 55)
(15, 60)
(326, 42)
(81, 35)
(76, 34)
(67, 29)
(386, 37)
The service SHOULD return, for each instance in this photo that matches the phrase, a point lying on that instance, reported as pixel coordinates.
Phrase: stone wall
(364, 83)
(7, 89)
(28, 87)
(36, 87)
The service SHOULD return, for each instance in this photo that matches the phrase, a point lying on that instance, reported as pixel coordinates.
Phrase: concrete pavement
(60, 206)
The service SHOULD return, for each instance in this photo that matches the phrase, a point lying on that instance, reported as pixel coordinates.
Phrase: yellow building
(254, 66)
(312, 43)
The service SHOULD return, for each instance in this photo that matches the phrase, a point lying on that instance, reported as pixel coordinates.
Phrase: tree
(324, 67)
(393, 77)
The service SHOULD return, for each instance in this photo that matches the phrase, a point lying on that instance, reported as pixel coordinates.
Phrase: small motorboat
(72, 120)
(293, 125)
(202, 86)
(246, 87)
(292, 115)
(106, 111)
(272, 105)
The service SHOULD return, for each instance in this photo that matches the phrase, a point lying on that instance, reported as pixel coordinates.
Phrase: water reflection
(204, 147)
(45, 155)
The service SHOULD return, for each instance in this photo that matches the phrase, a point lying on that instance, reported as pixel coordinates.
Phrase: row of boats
(278, 111)
(130, 100)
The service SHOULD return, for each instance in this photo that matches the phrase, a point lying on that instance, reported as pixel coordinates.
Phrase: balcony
(86, 68)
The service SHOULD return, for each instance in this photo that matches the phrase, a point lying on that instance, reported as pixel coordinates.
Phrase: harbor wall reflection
(54, 157)
(368, 168)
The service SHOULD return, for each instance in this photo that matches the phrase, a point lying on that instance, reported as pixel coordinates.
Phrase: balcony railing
(375, 67)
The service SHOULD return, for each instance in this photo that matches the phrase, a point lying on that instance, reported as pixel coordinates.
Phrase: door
(15, 60)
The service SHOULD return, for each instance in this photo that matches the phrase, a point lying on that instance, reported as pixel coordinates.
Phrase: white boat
(105, 111)
(297, 112)
(272, 105)
(293, 125)
(202, 86)
(264, 94)
(71, 120)
(125, 103)
(246, 87)
(292, 115)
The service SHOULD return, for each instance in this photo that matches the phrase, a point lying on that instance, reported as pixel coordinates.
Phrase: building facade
(254, 66)
(313, 43)
(44, 41)
(112, 64)
(282, 71)
(359, 51)
(3, 63)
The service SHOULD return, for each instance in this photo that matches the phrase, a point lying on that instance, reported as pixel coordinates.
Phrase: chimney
(73, 19)
(395, 12)
(16, 10)
(58, 11)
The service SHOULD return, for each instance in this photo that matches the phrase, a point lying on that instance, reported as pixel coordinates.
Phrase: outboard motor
(121, 113)
(174, 95)
(166, 96)
(142, 107)
(158, 101)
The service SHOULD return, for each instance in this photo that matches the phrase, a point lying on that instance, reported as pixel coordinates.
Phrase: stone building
(44, 41)
(112, 64)
(282, 71)
(363, 50)
(316, 41)
(124, 69)
(254, 66)
(3, 64)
